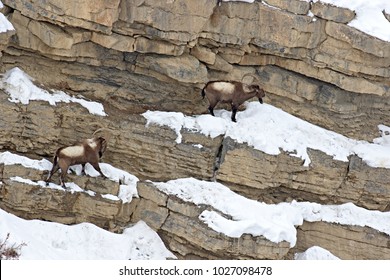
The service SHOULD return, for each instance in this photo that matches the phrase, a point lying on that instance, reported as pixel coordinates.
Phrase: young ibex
(234, 93)
(85, 151)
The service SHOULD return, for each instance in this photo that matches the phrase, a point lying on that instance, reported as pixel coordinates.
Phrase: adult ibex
(84, 151)
(232, 92)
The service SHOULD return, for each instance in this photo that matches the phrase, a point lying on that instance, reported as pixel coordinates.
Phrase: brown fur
(85, 151)
(239, 94)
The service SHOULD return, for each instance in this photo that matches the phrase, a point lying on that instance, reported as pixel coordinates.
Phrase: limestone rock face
(8, 31)
(179, 225)
(187, 44)
(4, 37)
(149, 153)
(360, 240)
(139, 55)
(34, 202)
(94, 15)
(294, 6)
(332, 13)
(326, 181)
(386, 14)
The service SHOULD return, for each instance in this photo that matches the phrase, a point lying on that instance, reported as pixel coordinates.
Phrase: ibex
(233, 92)
(84, 151)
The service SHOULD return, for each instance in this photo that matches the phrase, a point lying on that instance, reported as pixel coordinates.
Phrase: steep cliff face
(140, 55)
(129, 53)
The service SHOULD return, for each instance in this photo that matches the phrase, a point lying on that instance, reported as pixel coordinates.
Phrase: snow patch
(85, 241)
(369, 16)
(19, 86)
(315, 253)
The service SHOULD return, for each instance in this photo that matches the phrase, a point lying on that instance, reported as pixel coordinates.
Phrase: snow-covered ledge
(5, 25)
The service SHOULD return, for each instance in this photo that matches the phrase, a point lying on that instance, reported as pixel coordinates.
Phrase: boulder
(139, 55)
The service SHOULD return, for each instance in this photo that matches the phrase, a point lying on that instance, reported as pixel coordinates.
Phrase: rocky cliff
(140, 55)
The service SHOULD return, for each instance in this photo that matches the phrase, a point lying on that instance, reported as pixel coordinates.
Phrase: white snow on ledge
(269, 129)
(85, 241)
(315, 253)
(276, 222)
(19, 86)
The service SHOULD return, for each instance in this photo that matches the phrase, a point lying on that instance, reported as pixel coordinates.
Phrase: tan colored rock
(26, 39)
(143, 54)
(145, 45)
(173, 16)
(34, 134)
(333, 13)
(326, 181)
(179, 220)
(221, 64)
(79, 35)
(324, 58)
(204, 54)
(232, 55)
(340, 56)
(114, 41)
(370, 183)
(345, 242)
(236, 24)
(287, 86)
(294, 6)
(186, 68)
(5, 35)
(148, 191)
(93, 15)
(34, 202)
(319, 70)
(51, 35)
(176, 205)
(216, 245)
(152, 214)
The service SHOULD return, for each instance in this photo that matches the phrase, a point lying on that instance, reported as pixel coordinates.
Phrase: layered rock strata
(32, 201)
(138, 55)
(130, 53)
(176, 221)
(152, 153)
(247, 171)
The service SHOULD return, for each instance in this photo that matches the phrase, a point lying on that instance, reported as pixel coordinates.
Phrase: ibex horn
(250, 75)
(107, 136)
